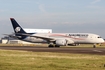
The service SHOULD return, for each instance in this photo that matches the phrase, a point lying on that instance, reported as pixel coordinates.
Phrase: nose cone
(102, 40)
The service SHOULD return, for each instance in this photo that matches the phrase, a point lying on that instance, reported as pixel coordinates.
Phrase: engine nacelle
(61, 42)
(70, 41)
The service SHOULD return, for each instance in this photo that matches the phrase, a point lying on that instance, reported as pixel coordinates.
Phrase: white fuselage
(79, 38)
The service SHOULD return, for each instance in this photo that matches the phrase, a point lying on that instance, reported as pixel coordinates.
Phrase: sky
(62, 16)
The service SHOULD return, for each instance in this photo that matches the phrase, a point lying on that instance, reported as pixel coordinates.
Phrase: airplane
(55, 39)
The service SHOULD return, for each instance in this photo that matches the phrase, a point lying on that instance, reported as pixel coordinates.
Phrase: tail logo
(17, 29)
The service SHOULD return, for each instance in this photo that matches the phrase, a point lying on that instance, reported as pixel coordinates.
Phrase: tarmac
(75, 50)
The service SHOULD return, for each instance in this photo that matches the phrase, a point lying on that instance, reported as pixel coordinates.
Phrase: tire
(57, 46)
(94, 46)
(50, 46)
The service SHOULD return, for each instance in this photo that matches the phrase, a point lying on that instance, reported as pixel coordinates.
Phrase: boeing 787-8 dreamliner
(55, 39)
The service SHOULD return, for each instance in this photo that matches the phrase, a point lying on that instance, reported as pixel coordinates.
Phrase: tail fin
(18, 29)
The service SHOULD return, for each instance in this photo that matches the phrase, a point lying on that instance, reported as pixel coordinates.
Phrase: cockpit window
(99, 37)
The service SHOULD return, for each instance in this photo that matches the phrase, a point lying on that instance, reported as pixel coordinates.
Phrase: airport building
(38, 30)
(9, 40)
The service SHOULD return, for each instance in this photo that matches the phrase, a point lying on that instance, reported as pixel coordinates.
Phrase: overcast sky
(65, 16)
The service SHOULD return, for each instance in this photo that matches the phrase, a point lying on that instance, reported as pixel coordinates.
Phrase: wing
(43, 37)
(38, 36)
(31, 35)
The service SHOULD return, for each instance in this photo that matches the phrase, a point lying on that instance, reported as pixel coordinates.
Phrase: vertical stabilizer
(18, 29)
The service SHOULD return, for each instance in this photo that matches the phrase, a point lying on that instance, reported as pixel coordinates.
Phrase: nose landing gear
(95, 45)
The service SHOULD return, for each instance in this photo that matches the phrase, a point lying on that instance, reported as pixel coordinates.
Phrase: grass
(24, 60)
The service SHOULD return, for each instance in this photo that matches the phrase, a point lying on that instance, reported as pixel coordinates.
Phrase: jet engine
(61, 42)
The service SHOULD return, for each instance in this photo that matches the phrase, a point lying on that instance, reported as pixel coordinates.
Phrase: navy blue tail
(18, 29)
(16, 26)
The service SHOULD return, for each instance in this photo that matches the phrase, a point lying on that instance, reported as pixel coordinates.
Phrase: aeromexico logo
(17, 29)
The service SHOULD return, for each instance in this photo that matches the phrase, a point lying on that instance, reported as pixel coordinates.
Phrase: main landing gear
(52, 45)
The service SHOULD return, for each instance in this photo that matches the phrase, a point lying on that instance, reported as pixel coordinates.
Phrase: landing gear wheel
(57, 46)
(94, 46)
(50, 46)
